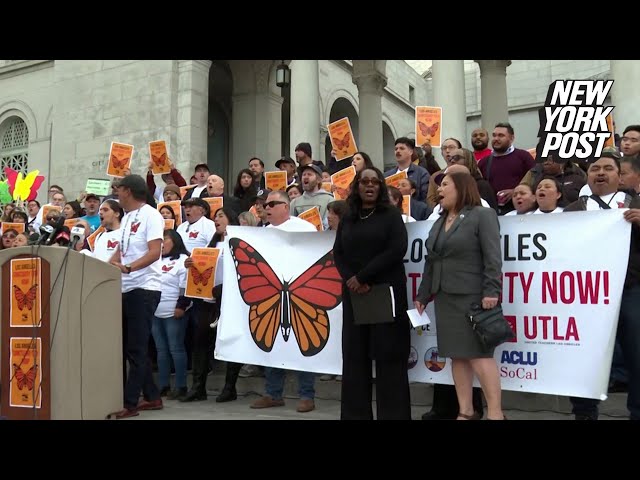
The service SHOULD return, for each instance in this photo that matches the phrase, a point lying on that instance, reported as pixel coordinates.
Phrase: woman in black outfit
(370, 245)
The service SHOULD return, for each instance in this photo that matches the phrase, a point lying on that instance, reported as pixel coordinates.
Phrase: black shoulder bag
(490, 326)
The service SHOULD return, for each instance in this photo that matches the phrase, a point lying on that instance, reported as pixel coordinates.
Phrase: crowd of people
(463, 266)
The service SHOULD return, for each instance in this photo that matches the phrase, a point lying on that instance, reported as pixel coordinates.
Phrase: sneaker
(267, 402)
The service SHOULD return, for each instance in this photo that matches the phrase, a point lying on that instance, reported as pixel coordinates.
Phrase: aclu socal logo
(573, 122)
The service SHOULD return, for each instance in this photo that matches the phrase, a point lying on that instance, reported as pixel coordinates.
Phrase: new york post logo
(573, 122)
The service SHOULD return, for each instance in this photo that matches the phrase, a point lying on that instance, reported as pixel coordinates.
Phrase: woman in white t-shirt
(207, 313)
(108, 241)
(169, 325)
(548, 196)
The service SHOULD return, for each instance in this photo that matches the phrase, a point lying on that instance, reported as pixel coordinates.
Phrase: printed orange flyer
(326, 186)
(120, 156)
(26, 297)
(342, 181)
(169, 224)
(18, 227)
(201, 276)
(71, 222)
(429, 126)
(255, 213)
(610, 142)
(313, 217)
(176, 206)
(406, 205)
(215, 203)
(394, 179)
(26, 359)
(183, 190)
(276, 180)
(91, 239)
(49, 208)
(342, 138)
(159, 157)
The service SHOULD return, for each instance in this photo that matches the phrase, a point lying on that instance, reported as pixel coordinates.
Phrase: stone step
(422, 395)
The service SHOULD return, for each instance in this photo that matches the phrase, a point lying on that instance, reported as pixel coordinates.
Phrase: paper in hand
(418, 320)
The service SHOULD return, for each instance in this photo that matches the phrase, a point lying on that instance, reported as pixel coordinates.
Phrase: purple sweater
(507, 170)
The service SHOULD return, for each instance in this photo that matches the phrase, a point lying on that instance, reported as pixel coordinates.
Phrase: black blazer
(470, 261)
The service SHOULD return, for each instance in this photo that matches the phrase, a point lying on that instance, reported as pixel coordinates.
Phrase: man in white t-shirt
(137, 257)
(277, 207)
(197, 231)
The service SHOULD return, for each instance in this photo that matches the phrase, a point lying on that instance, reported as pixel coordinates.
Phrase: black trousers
(392, 381)
(445, 401)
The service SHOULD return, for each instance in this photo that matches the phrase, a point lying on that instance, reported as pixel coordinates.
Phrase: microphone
(56, 226)
(46, 231)
(63, 238)
(33, 239)
(77, 236)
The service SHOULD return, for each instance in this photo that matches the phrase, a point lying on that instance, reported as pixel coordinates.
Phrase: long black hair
(233, 220)
(239, 191)
(355, 202)
(178, 245)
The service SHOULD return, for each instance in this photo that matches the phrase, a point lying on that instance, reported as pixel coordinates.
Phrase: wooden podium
(60, 335)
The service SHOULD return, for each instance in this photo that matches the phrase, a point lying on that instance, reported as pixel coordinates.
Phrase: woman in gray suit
(463, 267)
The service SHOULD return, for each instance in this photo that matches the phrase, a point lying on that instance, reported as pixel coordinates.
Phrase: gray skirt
(456, 338)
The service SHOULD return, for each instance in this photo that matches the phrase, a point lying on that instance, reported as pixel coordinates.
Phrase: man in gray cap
(288, 165)
(137, 256)
(313, 195)
(198, 230)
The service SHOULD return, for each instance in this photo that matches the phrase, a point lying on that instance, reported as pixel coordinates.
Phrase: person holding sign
(288, 165)
(404, 150)
(313, 195)
(370, 245)
(198, 230)
(137, 257)
(464, 267)
(174, 177)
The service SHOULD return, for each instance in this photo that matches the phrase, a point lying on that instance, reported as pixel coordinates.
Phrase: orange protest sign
(406, 205)
(342, 181)
(201, 276)
(91, 239)
(69, 223)
(183, 190)
(276, 180)
(169, 224)
(326, 186)
(46, 209)
(342, 138)
(159, 158)
(313, 217)
(429, 126)
(120, 156)
(176, 206)
(255, 213)
(532, 152)
(26, 360)
(18, 227)
(26, 295)
(610, 142)
(394, 179)
(215, 203)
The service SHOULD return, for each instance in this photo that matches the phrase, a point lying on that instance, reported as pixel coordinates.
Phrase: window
(412, 95)
(14, 146)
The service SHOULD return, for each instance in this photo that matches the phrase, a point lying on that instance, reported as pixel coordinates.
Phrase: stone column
(449, 93)
(493, 92)
(305, 105)
(370, 88)
(625, 95)
(193, 106)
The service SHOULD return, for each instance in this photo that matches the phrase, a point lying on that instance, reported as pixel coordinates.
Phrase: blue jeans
(275, 383)
(168, 333)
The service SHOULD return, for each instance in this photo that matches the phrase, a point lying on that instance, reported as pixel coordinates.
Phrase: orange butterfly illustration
(428, 131)
(25, 380)
(342, 144)
(159, 161)
(25, 300)
(201, 277)
(119, 164)
(274, 305)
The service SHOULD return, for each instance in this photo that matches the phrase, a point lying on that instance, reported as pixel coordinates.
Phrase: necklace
(367, 216)
(123, 249)
(451, 218)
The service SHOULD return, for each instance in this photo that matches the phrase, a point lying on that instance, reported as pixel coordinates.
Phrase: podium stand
(60, 335)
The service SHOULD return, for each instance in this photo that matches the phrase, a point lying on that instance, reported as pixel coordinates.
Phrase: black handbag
(490, 325)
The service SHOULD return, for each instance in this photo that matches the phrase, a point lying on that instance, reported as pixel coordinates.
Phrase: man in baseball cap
(288, 165)
(91, 205)
(313, 195)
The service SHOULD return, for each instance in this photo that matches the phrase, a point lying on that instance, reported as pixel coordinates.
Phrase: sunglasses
(273, 203)
(370, 181)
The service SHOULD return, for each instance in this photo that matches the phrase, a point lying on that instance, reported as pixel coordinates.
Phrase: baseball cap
(201, 165)
(198, 202)
(133, 182)
(262, 194)
(91, 195)
(285, 160)
(313, 167)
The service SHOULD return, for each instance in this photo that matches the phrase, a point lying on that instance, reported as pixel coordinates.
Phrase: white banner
(282, 301)
(563, 276)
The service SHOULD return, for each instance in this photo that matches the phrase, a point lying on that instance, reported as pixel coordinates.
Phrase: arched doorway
(342, 108)
(388, 147)
(219, 119)
(14, 145)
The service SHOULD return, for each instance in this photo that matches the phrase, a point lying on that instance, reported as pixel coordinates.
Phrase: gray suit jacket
(470, 261)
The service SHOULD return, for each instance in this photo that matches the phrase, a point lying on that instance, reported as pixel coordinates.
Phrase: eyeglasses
(370, 181)
(457, 158)
(630, 139)
(273, 203)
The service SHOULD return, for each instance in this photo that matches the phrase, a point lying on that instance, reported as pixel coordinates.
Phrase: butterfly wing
(314, 292)
(346, 140)
(337, 143)
(196, 275)
(434, 128)
(30, 377)
(261, 289)
(23, 298)
(159, 161)
(423, 128)
(20, 377)
(206, 275)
